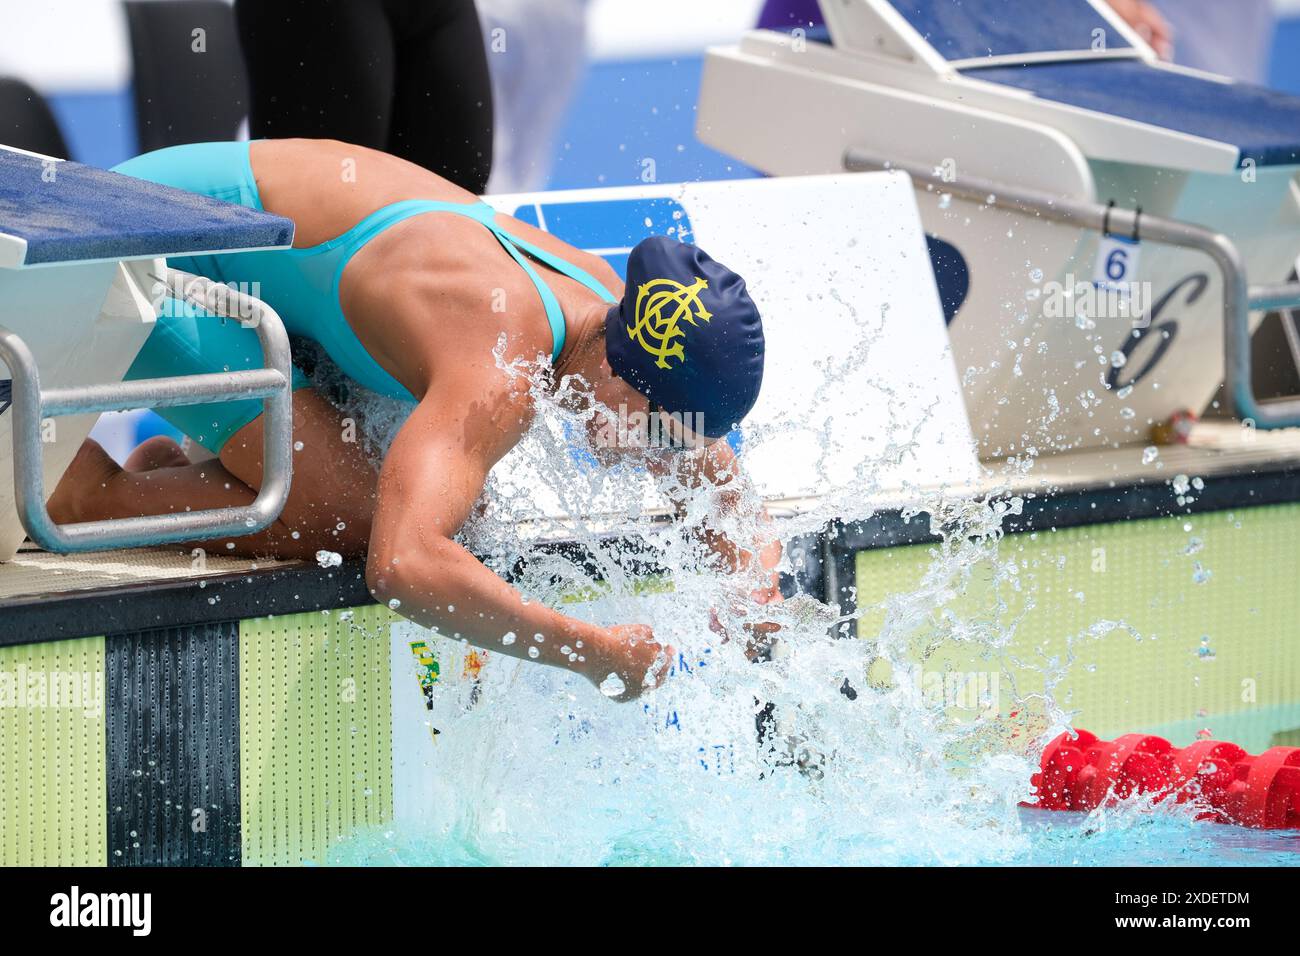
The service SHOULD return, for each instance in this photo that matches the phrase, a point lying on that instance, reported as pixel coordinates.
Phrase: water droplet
(394, 604)
(329, 559)
(508, 638)
(1150, 454)
(297, 446)
(533, 653)
(612, 686)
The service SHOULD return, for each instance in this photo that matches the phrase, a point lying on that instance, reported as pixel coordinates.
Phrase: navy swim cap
(687, 336)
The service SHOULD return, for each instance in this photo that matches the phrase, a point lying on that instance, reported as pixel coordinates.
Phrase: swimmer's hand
(634, 657)
(760, 634)
(1144, 17)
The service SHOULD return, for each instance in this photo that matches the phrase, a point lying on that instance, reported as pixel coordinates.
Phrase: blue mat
(89, 213)
(964, 29)
(1264, 125)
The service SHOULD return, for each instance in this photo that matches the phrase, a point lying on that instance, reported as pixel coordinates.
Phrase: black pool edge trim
(826, 566)
(1135, 501)
(1093, 505)
(163, 604)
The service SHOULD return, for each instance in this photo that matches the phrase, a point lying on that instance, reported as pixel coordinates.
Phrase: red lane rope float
(1223, 781)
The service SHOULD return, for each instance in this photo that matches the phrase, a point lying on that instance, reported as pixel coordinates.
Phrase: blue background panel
(964, 29)
(612, 226)
(1264, 125)
(88, 213)
(629, 112)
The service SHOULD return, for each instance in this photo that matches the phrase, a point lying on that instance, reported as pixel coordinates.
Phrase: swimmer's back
(292, 175)
(391, 293)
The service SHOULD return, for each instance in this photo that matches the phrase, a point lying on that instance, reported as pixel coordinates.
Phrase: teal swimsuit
(302, 285)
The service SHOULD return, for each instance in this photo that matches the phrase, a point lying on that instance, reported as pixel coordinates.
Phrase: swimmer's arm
(430, 481)
(755, 559)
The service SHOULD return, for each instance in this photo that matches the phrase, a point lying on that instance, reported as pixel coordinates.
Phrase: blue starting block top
(1074, 57)
(966, 29)
(67, 212)
(1264, 125)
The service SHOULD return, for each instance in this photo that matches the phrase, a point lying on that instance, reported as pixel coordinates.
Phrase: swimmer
(407, 282)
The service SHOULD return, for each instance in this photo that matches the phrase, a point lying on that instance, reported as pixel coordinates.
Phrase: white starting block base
(860, 390)
(84, 323)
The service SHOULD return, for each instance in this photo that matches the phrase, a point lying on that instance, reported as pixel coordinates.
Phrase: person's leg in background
(331, 499)
(442, 102)
(537, 54)
(320, 69)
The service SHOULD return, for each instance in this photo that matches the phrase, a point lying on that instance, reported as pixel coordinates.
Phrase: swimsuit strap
(519, 249)
(513, 245)
(562, 266)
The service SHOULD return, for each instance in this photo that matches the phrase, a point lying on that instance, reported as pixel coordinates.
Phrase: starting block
(82, 275)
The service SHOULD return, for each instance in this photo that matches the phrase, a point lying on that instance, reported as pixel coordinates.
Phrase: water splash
(823, 751)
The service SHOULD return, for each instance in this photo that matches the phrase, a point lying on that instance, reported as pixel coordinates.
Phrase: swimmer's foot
(157, 452)
(86, 479)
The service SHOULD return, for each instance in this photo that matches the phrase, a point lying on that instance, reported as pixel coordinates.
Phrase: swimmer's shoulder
(346, 167)
(327, 186)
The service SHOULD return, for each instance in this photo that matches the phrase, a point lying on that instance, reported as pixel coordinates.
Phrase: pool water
(1143, 840)
(533, 766)
(856, 762)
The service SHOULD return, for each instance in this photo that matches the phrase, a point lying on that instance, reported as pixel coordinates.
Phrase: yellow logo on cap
(661, 305)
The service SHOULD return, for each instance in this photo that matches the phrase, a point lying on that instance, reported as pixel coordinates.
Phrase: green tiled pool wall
(244, 743)
(1176, 625)
(315, 732)
(265, 741)
(52, 754)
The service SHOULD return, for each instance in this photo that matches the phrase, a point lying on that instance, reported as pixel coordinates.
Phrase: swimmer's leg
(333, 484)
(156, 452)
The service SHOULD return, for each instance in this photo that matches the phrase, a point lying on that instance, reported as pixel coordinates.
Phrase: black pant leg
(322, 69)
(442, 105)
